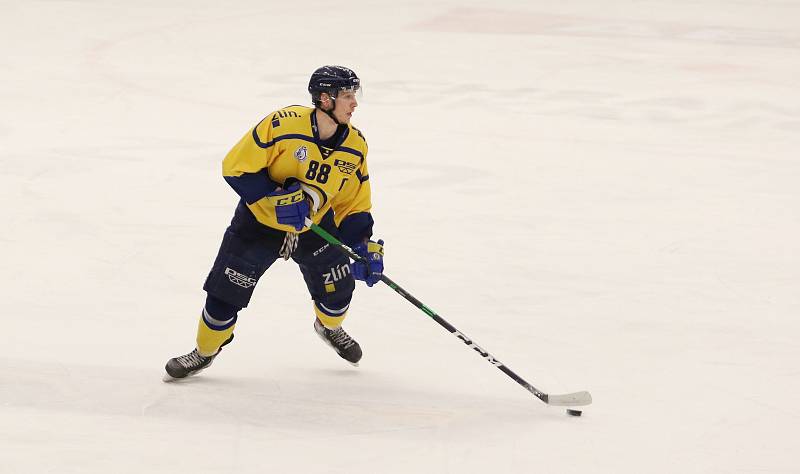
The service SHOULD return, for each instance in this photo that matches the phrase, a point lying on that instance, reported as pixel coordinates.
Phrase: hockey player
(298, 162)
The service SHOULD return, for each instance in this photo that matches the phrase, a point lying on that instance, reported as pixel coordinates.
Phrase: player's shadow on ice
(330, 400)
(305, 400)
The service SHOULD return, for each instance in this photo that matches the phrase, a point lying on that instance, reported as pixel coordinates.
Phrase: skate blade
(328, 343)
(167, 378)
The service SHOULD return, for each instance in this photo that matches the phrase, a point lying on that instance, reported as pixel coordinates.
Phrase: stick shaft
(431, 313)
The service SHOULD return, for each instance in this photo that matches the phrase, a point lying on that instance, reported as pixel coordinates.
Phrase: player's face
(346, 103)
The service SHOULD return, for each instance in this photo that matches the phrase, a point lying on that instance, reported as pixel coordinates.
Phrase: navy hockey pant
(249, 248)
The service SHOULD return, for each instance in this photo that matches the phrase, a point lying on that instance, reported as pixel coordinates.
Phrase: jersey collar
(315, 131)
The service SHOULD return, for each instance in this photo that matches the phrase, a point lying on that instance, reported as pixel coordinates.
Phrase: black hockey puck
(574, 412)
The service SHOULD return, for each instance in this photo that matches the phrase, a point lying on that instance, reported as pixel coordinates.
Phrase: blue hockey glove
(371, 271)
(291, 206)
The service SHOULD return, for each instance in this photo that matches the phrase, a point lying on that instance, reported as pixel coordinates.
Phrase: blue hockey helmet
(331, 80)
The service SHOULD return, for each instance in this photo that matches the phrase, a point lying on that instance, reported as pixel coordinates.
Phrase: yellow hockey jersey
(285, 146)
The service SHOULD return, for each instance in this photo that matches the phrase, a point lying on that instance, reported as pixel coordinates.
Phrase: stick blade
(577, 399)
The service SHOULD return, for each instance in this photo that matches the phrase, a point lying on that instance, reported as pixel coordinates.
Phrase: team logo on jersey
(345, 166)
(301, 154)
(239, 279)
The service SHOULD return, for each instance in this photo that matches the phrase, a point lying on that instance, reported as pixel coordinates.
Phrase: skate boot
(190, 364)
(340, 341)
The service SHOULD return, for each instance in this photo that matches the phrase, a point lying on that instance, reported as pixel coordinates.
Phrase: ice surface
(604, 195)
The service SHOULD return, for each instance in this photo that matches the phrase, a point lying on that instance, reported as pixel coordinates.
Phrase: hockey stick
(575, 399)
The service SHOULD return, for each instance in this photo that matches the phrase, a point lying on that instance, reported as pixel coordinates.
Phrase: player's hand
(291, 206)
(371, 271)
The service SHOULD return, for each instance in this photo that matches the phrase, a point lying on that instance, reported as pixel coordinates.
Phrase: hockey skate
(190, 364)
(344, 345)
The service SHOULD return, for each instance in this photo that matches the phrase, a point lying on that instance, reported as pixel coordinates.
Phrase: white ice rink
(603, 194)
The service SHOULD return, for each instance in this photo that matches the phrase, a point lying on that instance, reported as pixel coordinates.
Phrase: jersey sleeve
(245, 166)
(352, 208)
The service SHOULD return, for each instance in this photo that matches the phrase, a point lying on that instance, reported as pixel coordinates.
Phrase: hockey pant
(247, 250)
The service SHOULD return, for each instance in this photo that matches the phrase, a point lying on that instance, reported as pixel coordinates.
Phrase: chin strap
(329, 113)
